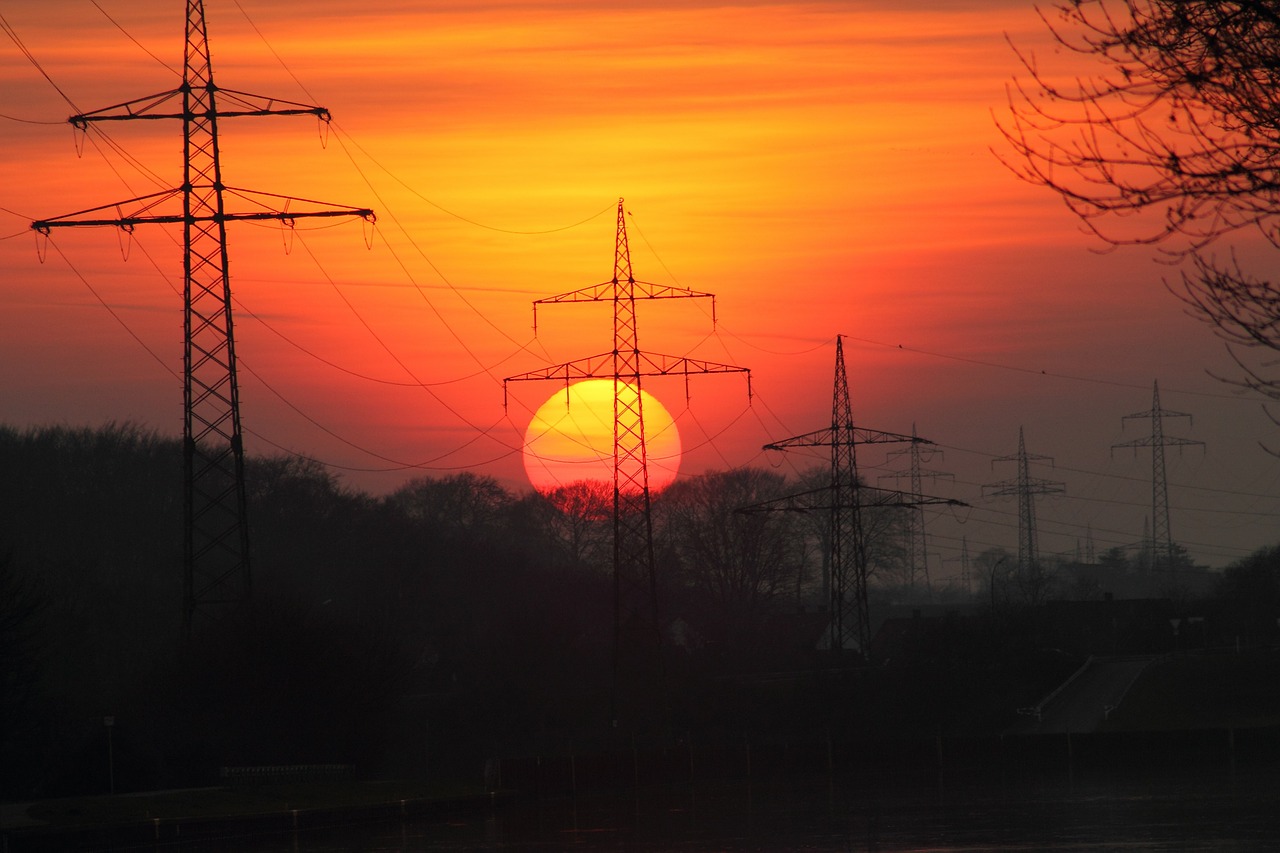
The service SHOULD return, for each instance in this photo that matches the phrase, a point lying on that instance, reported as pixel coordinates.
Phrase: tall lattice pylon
(843, 499)
(1162, 556)
(216, 533)
(917, 544)
(1025, 487)
(637, 629)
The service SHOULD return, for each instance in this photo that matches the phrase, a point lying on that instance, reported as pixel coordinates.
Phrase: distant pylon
(843, 501)
(1025, 487)
(636, 621)
(1161, 536)
(917, 546)
(966, 580)
(216, 533)
(1147, 550)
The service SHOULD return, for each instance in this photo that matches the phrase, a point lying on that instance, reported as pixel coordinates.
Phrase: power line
(1033, 372)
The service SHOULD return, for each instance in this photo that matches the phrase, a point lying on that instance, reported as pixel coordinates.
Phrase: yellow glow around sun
(566, 444)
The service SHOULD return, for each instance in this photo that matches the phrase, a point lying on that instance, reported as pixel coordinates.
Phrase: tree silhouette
(1249, 592)
(740, 563)
(1174, 141)
(580, 517)
(456, 504)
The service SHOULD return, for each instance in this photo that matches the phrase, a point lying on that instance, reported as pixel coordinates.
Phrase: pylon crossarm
(605, 290)
(1036, 485)
(649, 290)
(822, 498)
(649, 364)
(1000, 490)
(904, 499)
(902, 475)
(817, 438)
(805, 501)
(154, 107)
(146, 107)
(1030, 457)
(656, 364)
(592, 367)
(277, 206)
(875, 436)
(1164, 413)
(264, 105)
(283, 216)
(829, 437)
(1166, 440)
(139, 212)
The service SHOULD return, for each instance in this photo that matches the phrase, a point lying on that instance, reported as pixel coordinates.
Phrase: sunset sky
(823, 168)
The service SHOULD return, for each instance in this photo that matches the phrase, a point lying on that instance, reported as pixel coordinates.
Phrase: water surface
(818, 814)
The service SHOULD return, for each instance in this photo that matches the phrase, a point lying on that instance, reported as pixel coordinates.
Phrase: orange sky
(822, 168)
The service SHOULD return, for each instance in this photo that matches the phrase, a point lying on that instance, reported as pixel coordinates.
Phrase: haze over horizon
(822, 168)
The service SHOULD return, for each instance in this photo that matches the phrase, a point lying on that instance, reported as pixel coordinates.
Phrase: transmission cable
(13, 36)
(129, 36)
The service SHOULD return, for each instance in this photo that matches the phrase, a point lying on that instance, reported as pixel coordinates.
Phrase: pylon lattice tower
(216, 536)
(1161, 537)
(843, 500)
(917, 544)
(637, 630)
(1025, 487)
(966, 569)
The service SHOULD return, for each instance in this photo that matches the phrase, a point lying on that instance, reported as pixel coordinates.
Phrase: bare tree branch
(1174, 142)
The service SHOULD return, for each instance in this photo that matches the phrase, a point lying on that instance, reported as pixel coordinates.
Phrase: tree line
(421, 631)
(388, 629)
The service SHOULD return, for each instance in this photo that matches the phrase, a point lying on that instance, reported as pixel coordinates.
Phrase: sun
(573, 443)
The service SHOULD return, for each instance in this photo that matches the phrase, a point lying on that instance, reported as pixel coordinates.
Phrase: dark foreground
(1209, 790)
(814, 814)
(849, 815)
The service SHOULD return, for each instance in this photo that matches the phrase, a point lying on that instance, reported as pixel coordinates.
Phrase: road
(1081, 703)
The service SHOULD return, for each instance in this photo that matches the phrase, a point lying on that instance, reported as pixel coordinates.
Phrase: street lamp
(110, 724)
(995, 566)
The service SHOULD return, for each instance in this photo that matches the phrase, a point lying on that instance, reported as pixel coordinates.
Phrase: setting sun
(822, 168)
(570, 438)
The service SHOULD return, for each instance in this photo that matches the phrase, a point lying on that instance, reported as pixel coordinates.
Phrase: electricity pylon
(917, 546)
(637, 631)
(966, 569)
(216, 535)
(1025, 487)
(1161, 536)
(843, 500)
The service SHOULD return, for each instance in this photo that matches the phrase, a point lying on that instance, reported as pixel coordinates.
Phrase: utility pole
(1025, 487)
(917, 546)
(216, 561)
(637, 630)
(843, 500)
(1161, 537)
